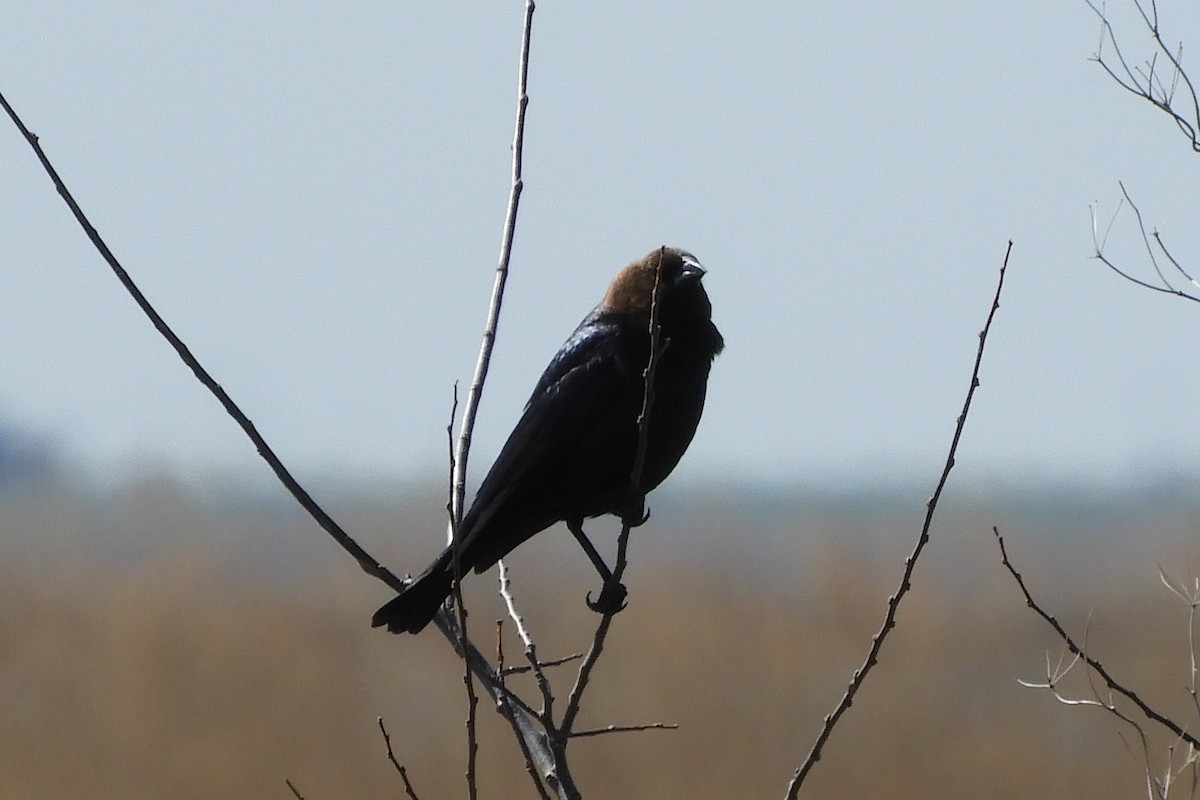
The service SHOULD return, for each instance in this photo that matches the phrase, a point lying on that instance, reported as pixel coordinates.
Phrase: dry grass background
(160, 643)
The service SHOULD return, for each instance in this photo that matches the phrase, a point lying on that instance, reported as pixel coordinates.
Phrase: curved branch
(893, 604)
(1144, 81)
(1149, 241)
(364, 559)
(1079, 651)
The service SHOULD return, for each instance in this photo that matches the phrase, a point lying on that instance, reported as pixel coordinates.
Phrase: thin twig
(893, 604)
(1175, 263)
(460, 611)
(1146, 82)
(500, 648)
(387, 740)
(364, 559)
(547, 712)
(634, 513)
(471, 774)
(651, 726)
(459, 472)
(1093, 664)
(511, 604)
(1145, 237)
(523, 719)
(506, 245)
(1157, 788)
(1149, 239)
(501, 673)
(294, 790)
(1192, 598)
(521, 669)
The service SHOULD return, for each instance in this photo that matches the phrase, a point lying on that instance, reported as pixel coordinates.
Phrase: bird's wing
(582, 388)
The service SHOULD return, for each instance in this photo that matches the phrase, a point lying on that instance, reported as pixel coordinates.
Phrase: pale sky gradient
(313, 197)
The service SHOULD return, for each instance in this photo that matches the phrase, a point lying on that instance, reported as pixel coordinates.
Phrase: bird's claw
(611, 599)
(637, 517)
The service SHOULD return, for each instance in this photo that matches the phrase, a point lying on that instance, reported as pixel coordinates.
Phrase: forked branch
(1145, 79)
(1080, 651)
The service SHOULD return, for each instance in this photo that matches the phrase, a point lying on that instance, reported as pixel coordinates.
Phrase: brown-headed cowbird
(571, 455)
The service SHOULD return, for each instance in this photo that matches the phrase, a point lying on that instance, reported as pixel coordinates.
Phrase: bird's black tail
(412, 609)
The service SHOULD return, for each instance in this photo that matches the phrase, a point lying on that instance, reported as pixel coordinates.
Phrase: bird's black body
(571, 454)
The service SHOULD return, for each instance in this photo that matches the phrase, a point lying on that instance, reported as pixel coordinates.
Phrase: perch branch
(634, 514)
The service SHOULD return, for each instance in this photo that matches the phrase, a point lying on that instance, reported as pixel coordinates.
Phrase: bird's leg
(576, 529)
(612, 594)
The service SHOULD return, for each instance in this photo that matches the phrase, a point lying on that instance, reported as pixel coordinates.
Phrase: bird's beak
(692, 272)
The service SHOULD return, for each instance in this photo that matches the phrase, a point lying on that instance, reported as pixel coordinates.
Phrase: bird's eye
(691, 270)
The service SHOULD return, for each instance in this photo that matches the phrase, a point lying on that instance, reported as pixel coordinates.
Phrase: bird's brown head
(681, 296)
(632, 290)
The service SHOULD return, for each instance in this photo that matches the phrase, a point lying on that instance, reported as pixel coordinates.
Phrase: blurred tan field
(161, 642)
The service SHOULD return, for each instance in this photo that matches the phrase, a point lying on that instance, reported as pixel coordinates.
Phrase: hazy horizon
(313, 198)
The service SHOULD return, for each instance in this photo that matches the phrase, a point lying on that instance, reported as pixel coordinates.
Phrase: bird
(571, 454)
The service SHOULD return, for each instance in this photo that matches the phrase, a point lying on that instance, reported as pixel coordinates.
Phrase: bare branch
(364, 559)
(1191, 596)
(634, 514)
(524, 721)
(460, 455)
(1158, 785)
(391, 756)
(652, 726)
(1145, 80)
(506, 244)
(501, 672)
(1174, 263)
(540, 758)
(472, 709)
(552, 662)
(531, 656)
(531, 762)
(1109, 681)
(1150, 241)
(460, 610)
(893, 604)
(533, 741)
(511, 604)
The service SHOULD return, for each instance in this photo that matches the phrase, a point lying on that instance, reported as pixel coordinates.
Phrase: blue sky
(313, 197)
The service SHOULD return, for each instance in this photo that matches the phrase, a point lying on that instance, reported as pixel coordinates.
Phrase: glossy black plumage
(571, 454)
